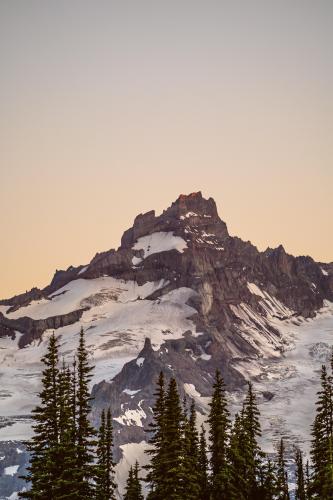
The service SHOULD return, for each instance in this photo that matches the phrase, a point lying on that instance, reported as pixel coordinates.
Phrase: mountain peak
(193, 204)
(192, 210)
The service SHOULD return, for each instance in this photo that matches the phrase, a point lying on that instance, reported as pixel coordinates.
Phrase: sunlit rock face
(179, 295)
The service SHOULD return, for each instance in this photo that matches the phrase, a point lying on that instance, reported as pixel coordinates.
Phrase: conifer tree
(237, 460)
(252, 454)
(322, 442)
(268, 481)
(219, 425)
(100, 469)
(110, 485)
(190, 464)
(282, 477)
(173, 445)
(300, 493)
(66, 486)
(42, 471)
(104, 469)
(133, 485)
(156, 467)
(129, 490)
(85, 431)
(203, 467)
(307, 481)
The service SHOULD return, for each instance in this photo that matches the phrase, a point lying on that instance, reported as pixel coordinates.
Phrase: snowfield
(131, 453)
(116, 324)
(85, 293)
(156, 243)
(118, 318)
(11, 470)
(293, 380)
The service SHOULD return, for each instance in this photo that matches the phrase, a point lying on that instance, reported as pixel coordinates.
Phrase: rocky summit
(179, 295)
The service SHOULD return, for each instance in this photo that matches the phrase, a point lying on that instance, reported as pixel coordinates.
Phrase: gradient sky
(112, 108)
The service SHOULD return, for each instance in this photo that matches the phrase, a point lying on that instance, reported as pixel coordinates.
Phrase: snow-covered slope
(203, 299)
(117, 321)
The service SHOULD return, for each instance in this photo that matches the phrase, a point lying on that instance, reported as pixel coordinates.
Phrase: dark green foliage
(237, 460)
(100, 479)
(190, 464)
(85, 431)
(42, 472)
(307, 480)
(109, 464)
(203, 467)
(63, 449)
(267, 481)
(281, 474)
(133, 485)
(104, 469)
(321, 484)
(156, 429)
(129, 491)
(66, 483)
(171, 470)
(173, 445)
(300, 480)
(252, 452)
(219, 425)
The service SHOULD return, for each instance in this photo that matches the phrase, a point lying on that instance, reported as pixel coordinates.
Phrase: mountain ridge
(196, 222)
(179, 294)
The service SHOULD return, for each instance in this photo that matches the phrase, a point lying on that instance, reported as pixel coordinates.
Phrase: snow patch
(205, 356)
(325, 273)
(4, 309)
(201, 401)
(119, 319)
(88, 293)
(83, 270)
(254, 289)
(158, 242)
(191, 391)
(140, 361)
(131, 392)
(132, 417)
(189, 214)
(131, 453)
(11, 470)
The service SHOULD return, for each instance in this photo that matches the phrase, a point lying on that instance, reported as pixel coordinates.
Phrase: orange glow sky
(112, 108)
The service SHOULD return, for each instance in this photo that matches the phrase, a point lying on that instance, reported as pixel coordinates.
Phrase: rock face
(202, 299)
(214, 264)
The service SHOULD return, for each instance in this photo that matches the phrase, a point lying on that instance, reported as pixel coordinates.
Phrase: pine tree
(268, 481)
(190, 464)
(173, 445)
(100, 469)
(129, 485)
(133, 485)
(104, 469)
(203, 467)
(42, 471)
(156, 430)
(307, 481)
(251, 453)
(282, 477)
(110, 485)
(237, 460)
(85, 431)
(300, 480)
(219, 425)
(66, 486)
(322, 442)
